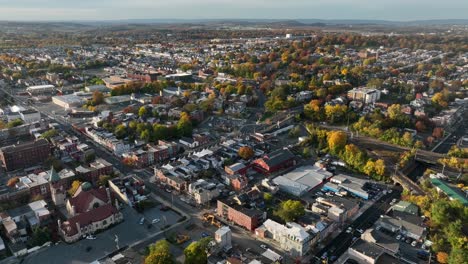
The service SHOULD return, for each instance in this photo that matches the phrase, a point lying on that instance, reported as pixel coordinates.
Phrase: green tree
(267, 197)
(369, 168)
(103, 180)
(290, 210)
(49, 134)
(195, 253)
(40, 236)
(159, 253)
(120, 131)
(14, 123)
(458, 255)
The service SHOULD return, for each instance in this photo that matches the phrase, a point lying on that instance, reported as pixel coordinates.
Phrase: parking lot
(129, 231)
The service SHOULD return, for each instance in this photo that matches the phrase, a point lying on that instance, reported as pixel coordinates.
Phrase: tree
(98, 98)
(49, 133)
(379, 167)
(458, 255)
(74, 187)
(369, 168)
(195, 253)
(439, 100)
(438, 132)
(159, 253)
(246, 152)
(290, 210)
(442, 257)
(267, 197)
(103, 180)
(12, 182)
(120, 131)
(15, 123)
(184, 126)
(336, 141)
(40, 236)
(142, 111)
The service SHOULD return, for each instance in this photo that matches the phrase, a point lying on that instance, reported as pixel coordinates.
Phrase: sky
(398, 10)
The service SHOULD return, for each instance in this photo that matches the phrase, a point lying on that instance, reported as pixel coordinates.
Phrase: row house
(95, 169)
(108, 140)
(172, 179)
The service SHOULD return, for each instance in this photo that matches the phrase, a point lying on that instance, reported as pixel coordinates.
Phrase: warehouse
(41, 89)
(302, 180)
(68, 101)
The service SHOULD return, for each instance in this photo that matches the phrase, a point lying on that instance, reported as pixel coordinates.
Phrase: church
(87, 211)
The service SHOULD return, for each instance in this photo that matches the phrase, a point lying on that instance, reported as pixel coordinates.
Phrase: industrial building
(302, 180)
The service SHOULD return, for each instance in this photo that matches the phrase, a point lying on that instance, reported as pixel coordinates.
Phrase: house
(89, 210)
(292, 237)
(203, 191)
(275, 161)
(239, 182)
(402, 226)
(172, 179)
(247, 218)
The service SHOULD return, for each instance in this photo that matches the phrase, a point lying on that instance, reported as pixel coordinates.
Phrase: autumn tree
(74, 187)
(442, 257)
(336, 141)
(12, 182)
(246, 152)
(379, 167)
(184, 126)
(98, 98)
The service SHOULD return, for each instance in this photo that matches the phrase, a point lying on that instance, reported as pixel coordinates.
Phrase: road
(343, 241)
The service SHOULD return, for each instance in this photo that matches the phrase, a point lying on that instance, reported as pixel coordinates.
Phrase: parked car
(90, 237)
(155, 221)
(414, 243)
(264, 246)
(398, 237)
(408, 240)
(360, 230)
(204, 234)
(168, 190)
(142, 221)
(349, 230)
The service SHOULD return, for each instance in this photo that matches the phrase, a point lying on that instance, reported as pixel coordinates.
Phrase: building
(402, 226)
(451, 192)
(203, 191)
(292, 237)
(95, 169)
(129, 189)
(349, 184)
(223, 236)
(89, 210)
(30, 116)
(68, 101)
(143, 77)
(171, 179)
(24, 155)
(115, 81)
(247, 218)
(365, 95)
(236, 168)
(362, 251)
(275, 161)
(406, 207)
(98, 87)
(302, 180)
(41, 89)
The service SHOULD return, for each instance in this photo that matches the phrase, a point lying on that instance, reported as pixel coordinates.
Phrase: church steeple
(53, 176)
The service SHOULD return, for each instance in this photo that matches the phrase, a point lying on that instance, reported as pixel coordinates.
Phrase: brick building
(242, 216)
(24, 155)
(144, 77)
(95, 169)
(275, 161)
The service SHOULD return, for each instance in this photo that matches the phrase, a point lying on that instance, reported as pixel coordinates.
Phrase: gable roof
(278, 157)
(82, 199)
(87, 218)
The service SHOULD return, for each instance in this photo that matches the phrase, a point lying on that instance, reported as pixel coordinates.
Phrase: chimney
(108, 195)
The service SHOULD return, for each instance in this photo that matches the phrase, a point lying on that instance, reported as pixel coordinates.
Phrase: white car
(414, 243)
(155, 221)
(398, 237)
(360, 230)
(264, 246)
(349, 230)
(90, 237)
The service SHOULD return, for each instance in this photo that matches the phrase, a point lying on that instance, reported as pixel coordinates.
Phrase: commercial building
(24, 155)
(30, 116)
(143, 77)
(302, 180)
(350, 184)
(292, 237)
(223, 236)
(41, 89)
(451, 192)
(98, 87)
(68, 101)
(247, 218)
(365, 95)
